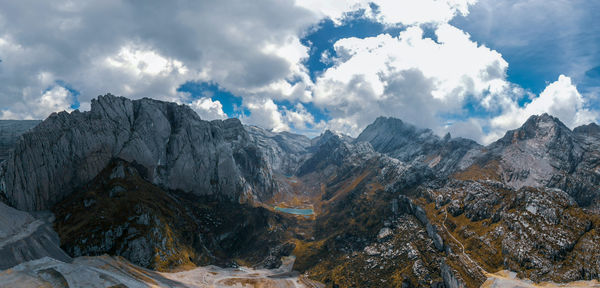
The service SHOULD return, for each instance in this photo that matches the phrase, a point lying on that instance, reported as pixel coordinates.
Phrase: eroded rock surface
(544, 153)
(24, 237)
(177, 149)
(10, 131)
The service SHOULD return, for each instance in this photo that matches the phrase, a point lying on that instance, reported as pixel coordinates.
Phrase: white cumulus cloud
(53, 100)
(411, 77)
(560, 99)
(265, 113)
(208, 109)
(254, 51)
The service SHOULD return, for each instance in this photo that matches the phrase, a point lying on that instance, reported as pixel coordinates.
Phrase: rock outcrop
(24, 238)
(539, 232)
(120, 213)
(177, 149)
(10, 130)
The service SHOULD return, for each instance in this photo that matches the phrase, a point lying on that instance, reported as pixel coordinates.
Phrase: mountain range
(159, 189)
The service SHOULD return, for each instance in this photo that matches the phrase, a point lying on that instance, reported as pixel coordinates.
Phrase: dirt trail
(483, 271)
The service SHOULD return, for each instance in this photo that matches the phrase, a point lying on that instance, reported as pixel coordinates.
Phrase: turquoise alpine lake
(295, 211)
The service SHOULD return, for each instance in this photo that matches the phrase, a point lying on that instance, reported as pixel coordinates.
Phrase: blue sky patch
(318, 114)
(593, 73)
(232, 104)
(538, 49)
(72, 92)
(429, 32)
(321, 38)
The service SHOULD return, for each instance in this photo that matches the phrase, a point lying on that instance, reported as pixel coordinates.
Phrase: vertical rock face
(177, 149)
(284, 151)
(10, 130)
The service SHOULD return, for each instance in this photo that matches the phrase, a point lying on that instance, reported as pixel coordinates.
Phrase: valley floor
(106, 271)
(507, 279)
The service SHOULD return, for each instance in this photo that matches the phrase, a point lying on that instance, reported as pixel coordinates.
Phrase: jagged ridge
(178, 150)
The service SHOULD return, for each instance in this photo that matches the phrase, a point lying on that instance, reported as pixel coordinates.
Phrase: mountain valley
(147, 190)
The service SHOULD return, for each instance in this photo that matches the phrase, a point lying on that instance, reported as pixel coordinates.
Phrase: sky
(474, 68)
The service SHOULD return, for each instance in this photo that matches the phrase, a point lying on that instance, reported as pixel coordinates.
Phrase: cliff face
(177, 150)
(284, 151)
(10, 130)
(120, 213)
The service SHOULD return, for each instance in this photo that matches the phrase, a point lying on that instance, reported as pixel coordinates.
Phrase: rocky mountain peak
(447, 137)
(328, 136)
(389, 134)
(589, 129)
(411, 144)
(543, 152)
(396, 125)
(543, 127)
(544, 120)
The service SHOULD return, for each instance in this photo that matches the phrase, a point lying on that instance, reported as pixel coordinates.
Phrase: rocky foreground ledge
(106, 271)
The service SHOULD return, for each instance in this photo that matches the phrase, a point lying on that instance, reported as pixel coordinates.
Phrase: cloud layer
(58, 55)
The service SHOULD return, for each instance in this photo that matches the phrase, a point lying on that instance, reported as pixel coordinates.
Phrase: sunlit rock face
(545, 153)
(177, 149)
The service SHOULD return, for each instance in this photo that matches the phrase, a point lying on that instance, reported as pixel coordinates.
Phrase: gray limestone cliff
(284, 151)
(177, 150)
(10, 130)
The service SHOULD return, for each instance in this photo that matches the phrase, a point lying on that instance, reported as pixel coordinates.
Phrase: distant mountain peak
(388, 134)
(328, 135)
(397, 125)
(447, 137)
(543, 119)
(589, 129)
(541, 127)
(385, 119)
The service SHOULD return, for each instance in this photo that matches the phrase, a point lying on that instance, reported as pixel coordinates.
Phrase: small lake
(295, 211)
